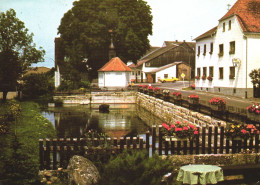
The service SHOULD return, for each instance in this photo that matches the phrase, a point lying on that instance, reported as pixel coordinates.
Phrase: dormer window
(224, 27)
(229, 25)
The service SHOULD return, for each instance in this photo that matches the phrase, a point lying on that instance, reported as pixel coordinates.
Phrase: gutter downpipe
(246, 65)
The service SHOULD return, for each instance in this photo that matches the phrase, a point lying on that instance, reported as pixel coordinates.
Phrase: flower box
(238, 131)
(193, 101)
(217, 107)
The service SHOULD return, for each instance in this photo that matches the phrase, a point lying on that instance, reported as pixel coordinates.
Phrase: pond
(75, 120)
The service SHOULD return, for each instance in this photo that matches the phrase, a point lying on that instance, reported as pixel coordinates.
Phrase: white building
(114, 74)
(230, 51)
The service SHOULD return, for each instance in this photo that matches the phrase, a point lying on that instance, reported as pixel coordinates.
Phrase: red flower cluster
(210, 78)
(197, 77)
(203, 77)
(157, 89)
(242, 131)
(255, 108)
(179, 130)
(142, 86)
(193, 96)
(193, 86)
(177, 94)
(150, 88)
(217, 101)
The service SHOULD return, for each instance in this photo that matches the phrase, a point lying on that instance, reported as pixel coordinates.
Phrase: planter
(193, 101)
(217, 107)
(177, 97)
(173, 138)
(252, 116)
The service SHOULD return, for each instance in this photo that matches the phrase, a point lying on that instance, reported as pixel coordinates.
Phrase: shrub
(135, 168)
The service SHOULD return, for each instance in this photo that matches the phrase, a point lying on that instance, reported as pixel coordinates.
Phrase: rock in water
(82, 171)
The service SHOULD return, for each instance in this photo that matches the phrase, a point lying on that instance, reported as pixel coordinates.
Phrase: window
(205, 71)
(211, 71)
(133, 73)
(198, 50)
(232, 47)
(229, 25)
(139, 72)
(221, 73)
(221, 50)
(205, 49)
(198, 71)
(232, 72)
(165, 75)
(211, 48)
(224, 27)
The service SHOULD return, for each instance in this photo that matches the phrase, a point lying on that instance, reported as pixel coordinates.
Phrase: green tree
(17, 51)
(84, 31)
(255, 76)
(38, 85)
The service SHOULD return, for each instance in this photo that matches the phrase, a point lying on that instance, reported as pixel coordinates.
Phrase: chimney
(183, 40)
(176, 41)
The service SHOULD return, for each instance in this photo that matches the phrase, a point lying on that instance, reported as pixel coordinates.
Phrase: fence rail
(55, 153)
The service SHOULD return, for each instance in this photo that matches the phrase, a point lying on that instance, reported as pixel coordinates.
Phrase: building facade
(226, 54)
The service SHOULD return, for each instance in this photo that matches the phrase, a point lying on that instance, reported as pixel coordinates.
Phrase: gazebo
(114, 74)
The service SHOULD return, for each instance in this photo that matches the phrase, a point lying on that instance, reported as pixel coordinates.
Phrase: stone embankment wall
(169, 112)
(99, 98)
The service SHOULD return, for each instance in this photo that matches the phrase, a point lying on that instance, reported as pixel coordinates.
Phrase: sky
(172, 19)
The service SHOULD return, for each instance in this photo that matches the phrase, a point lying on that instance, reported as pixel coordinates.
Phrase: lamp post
(189, 58)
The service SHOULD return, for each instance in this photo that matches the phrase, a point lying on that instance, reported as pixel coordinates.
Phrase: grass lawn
(19, 156)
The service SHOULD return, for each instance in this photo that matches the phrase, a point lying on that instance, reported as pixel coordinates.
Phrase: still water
(75, 120)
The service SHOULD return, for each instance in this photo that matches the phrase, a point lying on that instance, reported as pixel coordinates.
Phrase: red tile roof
(248, 12)
(115, 64)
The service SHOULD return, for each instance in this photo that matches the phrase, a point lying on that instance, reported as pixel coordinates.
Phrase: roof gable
(207, 34)
(115, 64)
(248, 13)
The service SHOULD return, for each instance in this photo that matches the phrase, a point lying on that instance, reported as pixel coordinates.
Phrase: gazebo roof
(115, 64)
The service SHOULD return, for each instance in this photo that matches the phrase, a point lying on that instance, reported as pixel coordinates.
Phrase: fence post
(178, 147)
(122, 144)
(134, 142)
(54, 144)
(41, 152)
(141, 143)
(221, 139)
(62, 152)
(198, 141)
(153, 138)
(166, 147)
(185, 147)
(160, 139)
(147, 140)
(47, 152)
(215, 140)
(128, 142)
(257, 143)
(203, 140)
(209, 140)
(172, 147)
(227, 146)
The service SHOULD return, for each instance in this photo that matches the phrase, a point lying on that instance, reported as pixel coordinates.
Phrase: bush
(135, 168)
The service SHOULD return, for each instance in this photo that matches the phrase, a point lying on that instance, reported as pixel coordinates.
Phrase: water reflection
(74, 121)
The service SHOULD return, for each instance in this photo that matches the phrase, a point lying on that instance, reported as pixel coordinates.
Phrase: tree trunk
(4, 95)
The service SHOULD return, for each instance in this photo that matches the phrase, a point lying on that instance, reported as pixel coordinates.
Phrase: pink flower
(177, 122)
(243, 131)
(196, 132)
(191, 126)
(185, 128)
(172, 126)
(178, 129)
(163, 124)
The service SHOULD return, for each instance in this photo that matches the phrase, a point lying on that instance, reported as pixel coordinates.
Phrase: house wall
(245, 50)
(113, 79)
(171, 71)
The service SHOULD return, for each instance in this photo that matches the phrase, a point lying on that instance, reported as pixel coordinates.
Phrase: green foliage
(37, 85)
(19, 157)
(255, 76)
(135, 168)
(73, 85)
(17, 50)
(84, 32)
